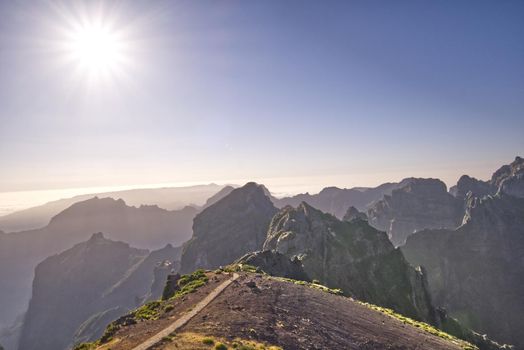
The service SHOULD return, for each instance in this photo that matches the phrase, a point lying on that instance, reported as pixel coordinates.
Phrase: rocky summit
(477, 271)
(275, 264)
(78, 292)
(353, 214)
(420, 204)
(235, 225)
(352, 256)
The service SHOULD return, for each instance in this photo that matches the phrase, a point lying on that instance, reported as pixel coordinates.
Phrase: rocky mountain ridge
(79, 291)
(476, 271)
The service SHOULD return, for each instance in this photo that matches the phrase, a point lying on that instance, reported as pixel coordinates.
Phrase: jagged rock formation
(476, 271)
(78, 292)
(420, 204)
(508, 179)
(144, 227)
(233, 226)
(468, 184)
(353, 214)
(352, 256)
(275, 264)
(336, 200)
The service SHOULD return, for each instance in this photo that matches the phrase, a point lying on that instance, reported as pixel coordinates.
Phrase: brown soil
(284, 314)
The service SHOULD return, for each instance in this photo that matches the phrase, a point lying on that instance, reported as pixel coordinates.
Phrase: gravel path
(184, 319)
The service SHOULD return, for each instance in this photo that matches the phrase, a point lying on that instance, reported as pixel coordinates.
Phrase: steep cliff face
(77, 292)
(468, 184)
(353, 214)
(421, 204)
(233, 226)
(144, 227)
(509, 179)
(476, 271)
(352, 256)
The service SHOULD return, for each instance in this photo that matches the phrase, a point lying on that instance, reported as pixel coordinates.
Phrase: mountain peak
(97, 236)
(231, 227)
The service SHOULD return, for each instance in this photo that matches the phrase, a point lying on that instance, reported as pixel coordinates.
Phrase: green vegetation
(208, 341)
(314, 285)
(149, 311)
(167, 339)
(220, 346)
(424, 326)
(152, 310)
(242, 268)
(83, 346)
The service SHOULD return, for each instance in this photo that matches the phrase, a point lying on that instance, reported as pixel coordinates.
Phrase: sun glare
(96, 48)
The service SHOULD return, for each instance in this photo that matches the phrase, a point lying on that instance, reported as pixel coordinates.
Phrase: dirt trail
(185, 318)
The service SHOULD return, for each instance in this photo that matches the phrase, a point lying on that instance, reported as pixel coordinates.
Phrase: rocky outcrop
(233, 226)
(336, 200)
(275, 264)
(352, 256)
(509, 179)
(420, 204)
(78, 292)
(467, 184)
(353, 214)
(476, 271)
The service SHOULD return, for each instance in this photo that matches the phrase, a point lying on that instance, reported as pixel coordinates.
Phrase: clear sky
(291, 93)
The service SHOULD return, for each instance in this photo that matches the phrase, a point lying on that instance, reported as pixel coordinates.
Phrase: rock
(79, 291)
(275, 264)
(476, 271)
(336, 200)
(146, 227)
(352, 256)
(420, 204)
(233, 226)
(509, 179)
(467, 184)
(353, 214)
(171, 286)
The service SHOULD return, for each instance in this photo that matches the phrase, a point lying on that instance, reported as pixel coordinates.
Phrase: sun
(96, 49)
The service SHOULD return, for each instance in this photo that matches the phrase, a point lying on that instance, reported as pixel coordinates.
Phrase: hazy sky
(303, 93)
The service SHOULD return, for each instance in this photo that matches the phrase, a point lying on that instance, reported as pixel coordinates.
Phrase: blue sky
(314, 93)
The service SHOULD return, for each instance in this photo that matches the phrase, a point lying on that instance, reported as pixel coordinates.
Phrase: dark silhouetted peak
(353, 214)
(233, 226)
(96, 236)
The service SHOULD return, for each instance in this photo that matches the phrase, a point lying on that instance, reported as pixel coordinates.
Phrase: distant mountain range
(334, 237)
(144, 227)
(170, 198)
